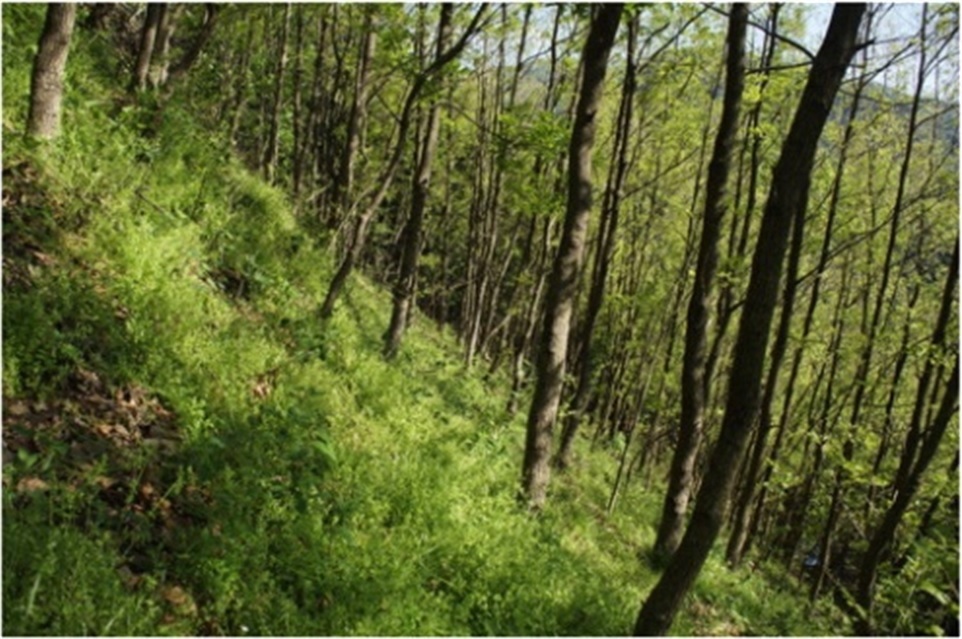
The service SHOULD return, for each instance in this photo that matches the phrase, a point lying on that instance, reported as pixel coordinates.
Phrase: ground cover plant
(190, 446)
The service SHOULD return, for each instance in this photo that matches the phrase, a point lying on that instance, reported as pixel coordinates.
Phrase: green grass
(357, 497)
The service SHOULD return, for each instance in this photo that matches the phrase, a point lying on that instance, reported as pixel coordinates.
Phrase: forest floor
(189, 450)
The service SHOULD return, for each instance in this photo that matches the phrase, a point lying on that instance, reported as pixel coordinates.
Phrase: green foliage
(58, 580)
(319, 489)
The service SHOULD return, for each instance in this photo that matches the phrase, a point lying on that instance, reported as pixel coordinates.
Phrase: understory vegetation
(188, 448)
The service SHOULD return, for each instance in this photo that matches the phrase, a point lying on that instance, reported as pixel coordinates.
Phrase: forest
(480, 319)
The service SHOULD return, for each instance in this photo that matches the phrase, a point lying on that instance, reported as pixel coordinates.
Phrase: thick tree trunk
(681, 476)
(789, 192)
(567, 265)
(46, 83)
(411, 237)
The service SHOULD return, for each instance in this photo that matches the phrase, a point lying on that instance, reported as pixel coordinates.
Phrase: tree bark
(567, 265)
(411, 237)
(789, 191)
(147, 37)
(359, 235)
(160, 56)
(46, 83)
(681, 475)
(358, 116)
(273, 137)
(885, 534)
(603, 253)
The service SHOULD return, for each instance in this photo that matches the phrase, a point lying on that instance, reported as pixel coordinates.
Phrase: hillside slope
(188, 450)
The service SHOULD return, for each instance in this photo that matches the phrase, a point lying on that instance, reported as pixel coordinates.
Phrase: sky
(897, 25)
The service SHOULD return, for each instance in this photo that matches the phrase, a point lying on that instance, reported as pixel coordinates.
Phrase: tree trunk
(273, 138)
(358, 116)
(867, 352)
(919, 448)
(789, 192)
(147, 37)
(739, 533)
(885, 534)
(183, 66)
(411, 238)
(809, 312)
(243, 78)
(567, 265)
(603, 253)
(46, 83)
(297, 169)
(681, 475)
(359, 235)
(160, 57)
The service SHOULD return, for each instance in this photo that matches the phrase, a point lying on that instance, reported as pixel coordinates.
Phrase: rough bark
(567, 264)
(46, 83)
(789, 190)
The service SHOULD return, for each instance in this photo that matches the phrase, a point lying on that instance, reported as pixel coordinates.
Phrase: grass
(312, 487)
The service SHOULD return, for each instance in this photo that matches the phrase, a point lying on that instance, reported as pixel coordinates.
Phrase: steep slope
(188, 450)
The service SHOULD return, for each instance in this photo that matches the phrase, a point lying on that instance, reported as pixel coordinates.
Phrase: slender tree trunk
(160, 57)
(789, 192)
(809, 313)
(359, 235)
(796, 508)
(567, 264)
(867, 352)
(46, 83)
(273, 137)
(753, 141)
(243, 79)
(297, 100)
(885, 534)
(411, 238)
(604, 251)
(358, 116)
(681, 476)
(147, 37)
(919, 448)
